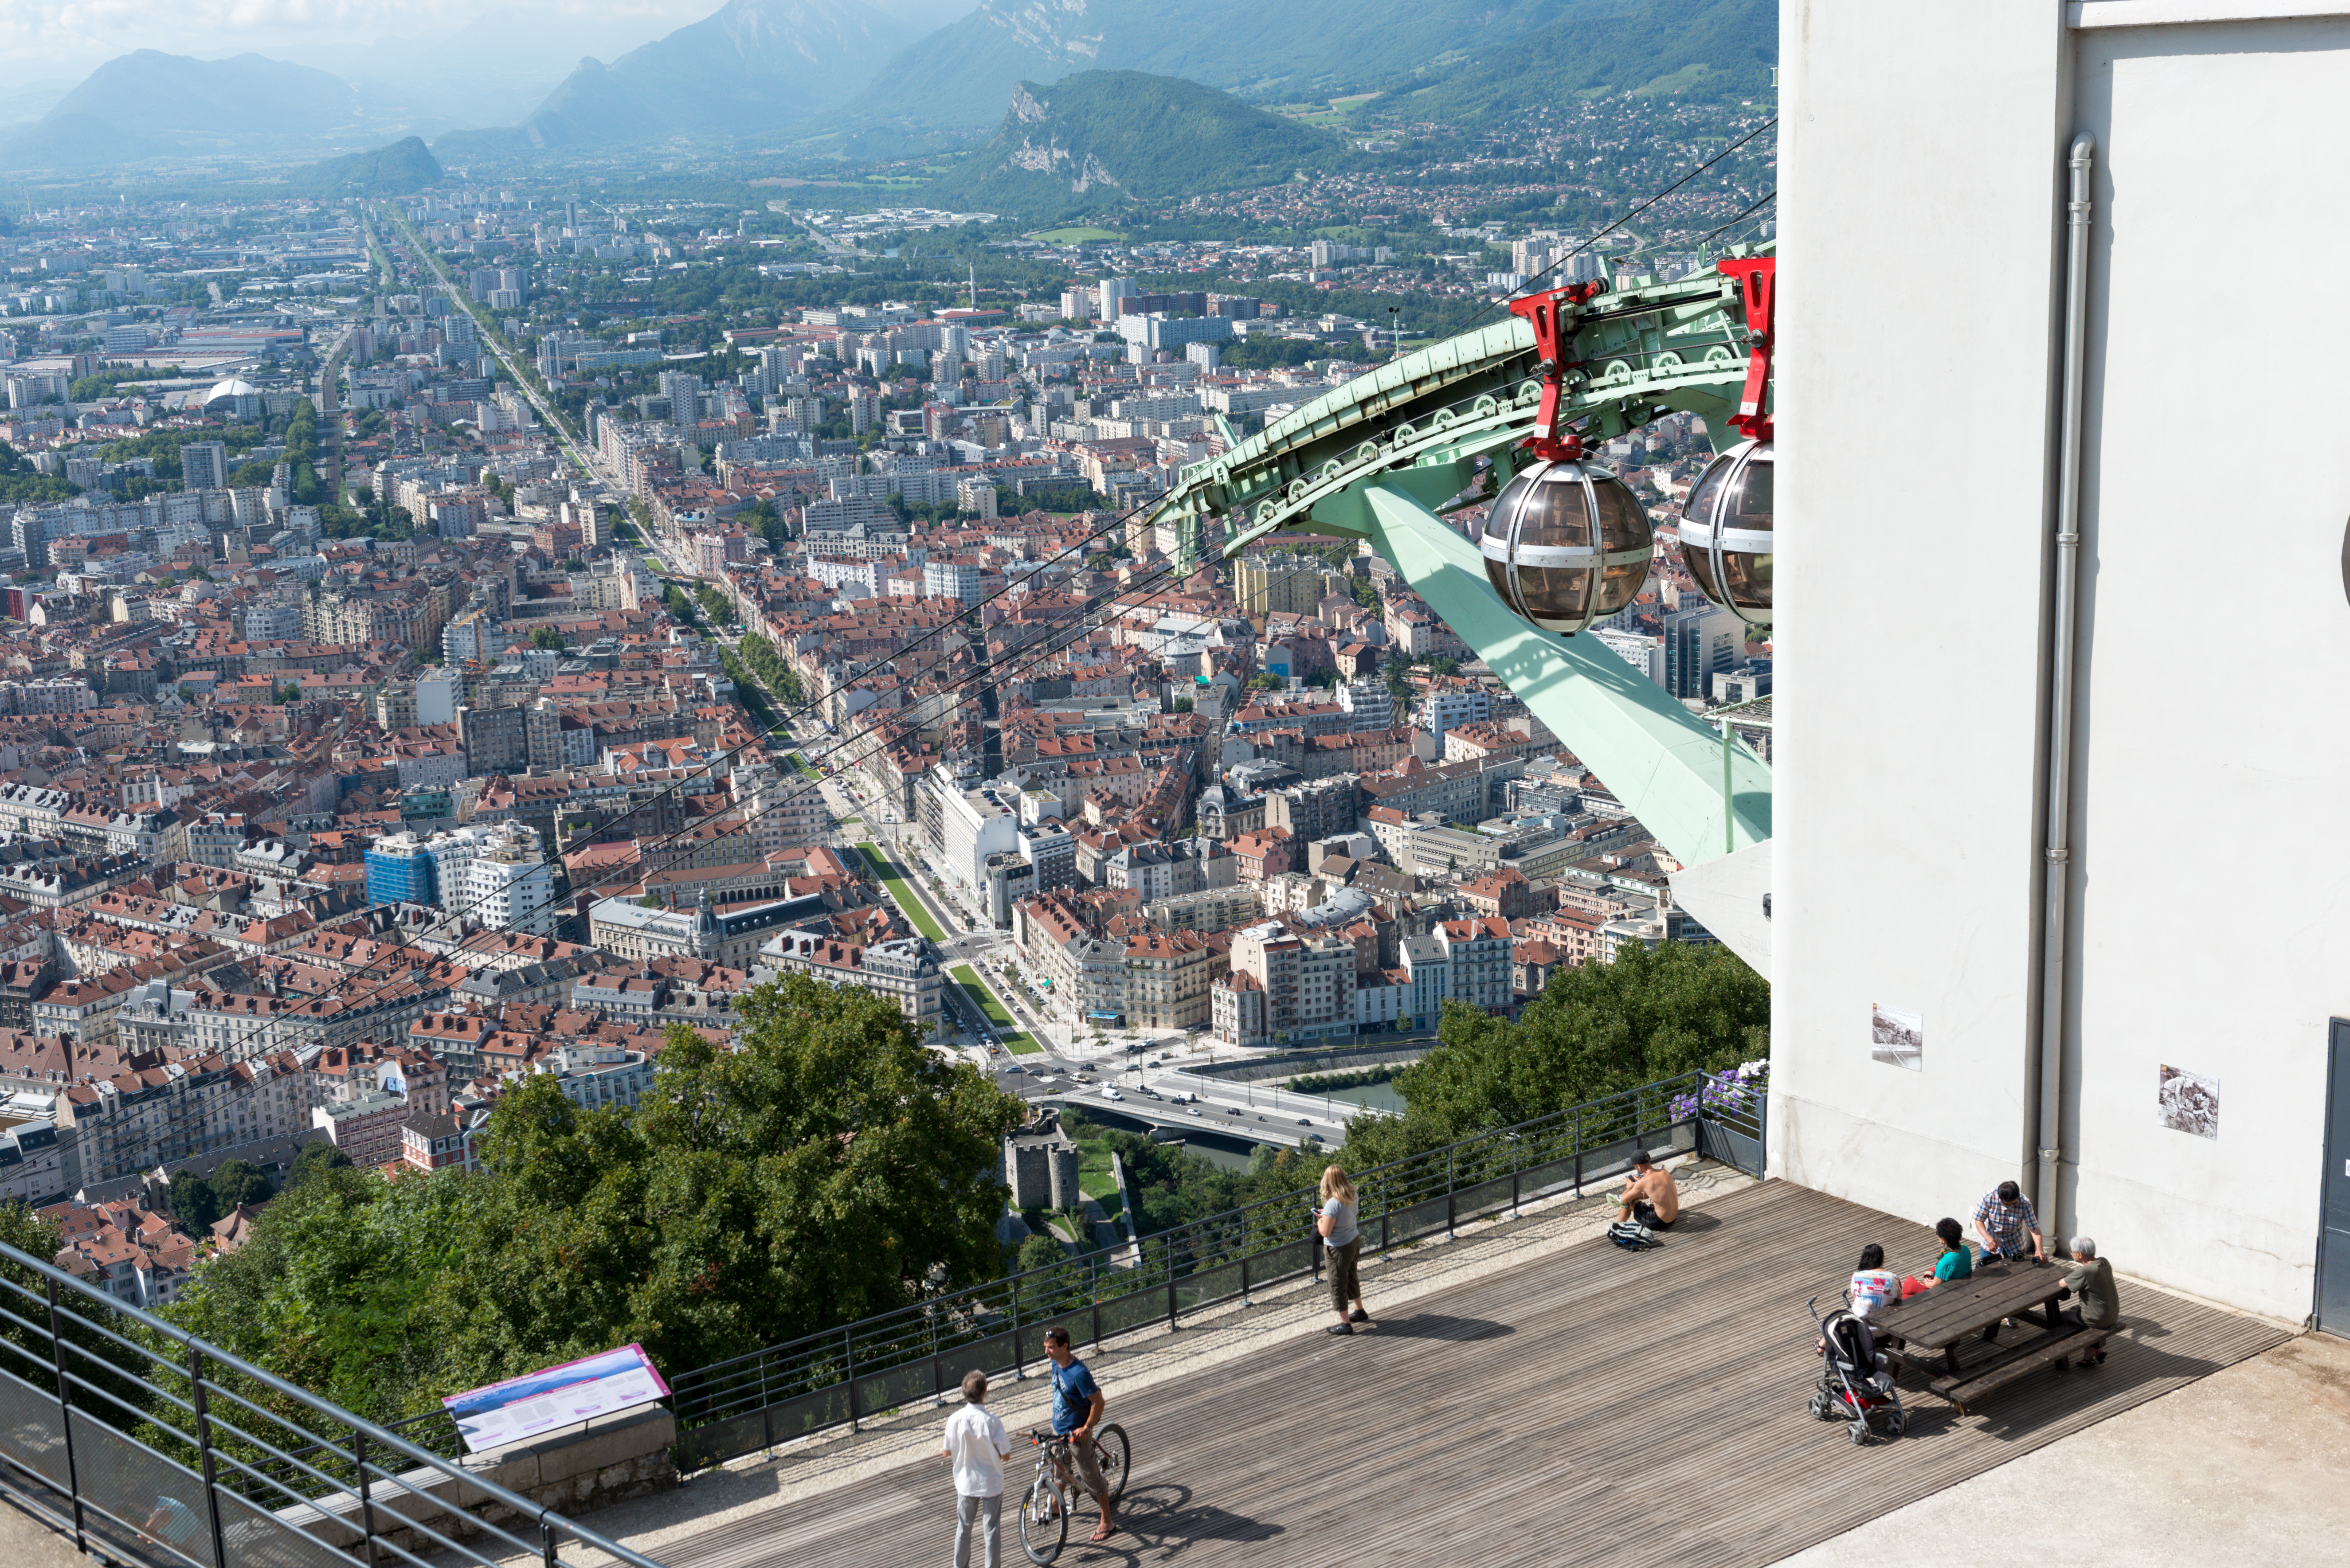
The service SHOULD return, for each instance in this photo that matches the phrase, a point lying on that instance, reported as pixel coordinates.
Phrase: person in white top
(977, 1445)
(1873, 1284)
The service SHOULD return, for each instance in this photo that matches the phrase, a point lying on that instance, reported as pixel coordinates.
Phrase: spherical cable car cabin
(1726, 531)
(1566, 545)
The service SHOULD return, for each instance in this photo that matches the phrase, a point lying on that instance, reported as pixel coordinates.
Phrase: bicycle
(1044, 1506)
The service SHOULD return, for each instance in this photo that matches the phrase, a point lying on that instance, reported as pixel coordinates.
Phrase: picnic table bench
(1937, 1322)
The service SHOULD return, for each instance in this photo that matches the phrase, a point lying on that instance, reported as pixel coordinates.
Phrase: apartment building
(903, 968)
(1306, 983)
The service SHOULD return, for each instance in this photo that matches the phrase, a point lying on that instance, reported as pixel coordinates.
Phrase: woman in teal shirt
(1956, 1262)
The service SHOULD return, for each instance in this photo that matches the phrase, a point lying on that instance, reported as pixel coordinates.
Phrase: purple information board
(561, 1396)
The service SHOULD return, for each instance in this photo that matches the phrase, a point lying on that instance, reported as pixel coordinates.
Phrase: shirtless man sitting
(1649, 1196)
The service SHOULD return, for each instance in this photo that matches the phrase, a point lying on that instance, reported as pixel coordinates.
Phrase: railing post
(1450, 1191)
(367, 1501)
(205, 1451)
(547, 1543)
(1578, 1152)
(848, 1357)
(1019, 1369)
(1244, 1296)
(1514, 1214)
(65, 1419)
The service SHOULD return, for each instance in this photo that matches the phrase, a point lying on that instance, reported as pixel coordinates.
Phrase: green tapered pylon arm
(1656, 756)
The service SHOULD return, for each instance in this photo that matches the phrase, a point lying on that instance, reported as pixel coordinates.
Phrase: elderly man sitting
(2092, 1280)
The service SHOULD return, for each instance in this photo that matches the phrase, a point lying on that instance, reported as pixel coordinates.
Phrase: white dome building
(233, 398)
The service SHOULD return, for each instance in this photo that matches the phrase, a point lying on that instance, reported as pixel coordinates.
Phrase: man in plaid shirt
(2003, 1219)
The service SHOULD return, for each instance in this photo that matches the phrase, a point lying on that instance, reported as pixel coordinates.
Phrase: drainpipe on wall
(2048, 1047)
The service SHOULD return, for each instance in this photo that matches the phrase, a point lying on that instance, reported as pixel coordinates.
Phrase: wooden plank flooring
(1597, 1406)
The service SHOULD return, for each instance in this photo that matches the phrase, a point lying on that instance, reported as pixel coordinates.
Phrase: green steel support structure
(1375, 459)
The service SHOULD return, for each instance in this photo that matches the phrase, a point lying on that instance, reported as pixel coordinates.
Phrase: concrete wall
(1921, 211)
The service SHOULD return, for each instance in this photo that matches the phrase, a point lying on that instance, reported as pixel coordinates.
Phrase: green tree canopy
(238, 1182)
(547, 636)
(1593, 1030)
(829, 1169)
(194, 1207)
(313, 1157)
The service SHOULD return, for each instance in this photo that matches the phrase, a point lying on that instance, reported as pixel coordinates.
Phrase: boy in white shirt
(978, 1446)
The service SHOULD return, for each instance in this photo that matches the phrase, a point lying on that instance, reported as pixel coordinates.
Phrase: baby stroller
(1856, 1381)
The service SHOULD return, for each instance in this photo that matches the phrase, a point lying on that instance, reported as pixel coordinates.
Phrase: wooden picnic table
(1946, 1317)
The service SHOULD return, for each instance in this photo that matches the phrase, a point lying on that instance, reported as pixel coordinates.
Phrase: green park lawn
(1016, 1043)
(903, 893)
(1077, 235)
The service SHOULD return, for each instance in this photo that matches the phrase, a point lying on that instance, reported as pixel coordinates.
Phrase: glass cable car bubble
(1726, 532)
(1566, 545)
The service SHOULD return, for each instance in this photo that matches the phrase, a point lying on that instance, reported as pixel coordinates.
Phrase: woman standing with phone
(1342, 1247)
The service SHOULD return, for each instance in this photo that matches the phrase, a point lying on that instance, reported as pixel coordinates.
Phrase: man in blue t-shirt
(1077, 1405)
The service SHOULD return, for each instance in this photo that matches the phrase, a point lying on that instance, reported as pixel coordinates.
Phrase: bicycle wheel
(1043, 1520)
(1111, 1453)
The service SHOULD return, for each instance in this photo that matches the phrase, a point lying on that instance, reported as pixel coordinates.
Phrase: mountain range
(1094, 141)
(1699, 48)
(961, 74)
(902, 74)
(148, 102)
(747, 69)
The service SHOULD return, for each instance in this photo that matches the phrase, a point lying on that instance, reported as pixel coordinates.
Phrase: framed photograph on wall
(2188, 1101)
(1897, 1038)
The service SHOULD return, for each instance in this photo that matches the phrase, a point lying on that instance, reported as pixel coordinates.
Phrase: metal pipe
(2048, 1048)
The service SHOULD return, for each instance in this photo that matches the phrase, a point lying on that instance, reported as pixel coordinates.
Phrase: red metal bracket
(1543, 313)
(1758, 278)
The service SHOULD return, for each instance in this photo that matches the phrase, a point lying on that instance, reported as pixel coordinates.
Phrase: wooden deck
(1597, 1406)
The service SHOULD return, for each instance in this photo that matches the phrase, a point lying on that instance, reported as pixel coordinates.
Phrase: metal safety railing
(146, 1444)
(848, 1376)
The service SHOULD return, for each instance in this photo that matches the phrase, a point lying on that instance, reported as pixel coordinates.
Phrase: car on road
(1194, 1111)
(1109, 1092)
(1306, 1121)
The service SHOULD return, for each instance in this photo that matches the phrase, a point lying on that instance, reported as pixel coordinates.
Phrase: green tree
(1593, 1031)
(331, 1291)
(715, 605)
(1267, 682)
(829, 1169)
(313, 1157)
(547, 636)
(194, 1207)
(237, 1181)
(1040, 1251)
